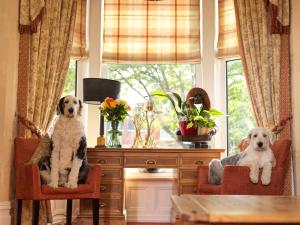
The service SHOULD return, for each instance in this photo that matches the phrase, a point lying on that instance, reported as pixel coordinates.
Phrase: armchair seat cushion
(81, 189)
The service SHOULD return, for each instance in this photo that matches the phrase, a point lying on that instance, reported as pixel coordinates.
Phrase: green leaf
(215, 112)
(165, 95)
(178, 98)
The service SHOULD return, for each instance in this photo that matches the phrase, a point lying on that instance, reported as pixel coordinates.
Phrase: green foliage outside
(143, 79)
(70, 83)
(240, 120)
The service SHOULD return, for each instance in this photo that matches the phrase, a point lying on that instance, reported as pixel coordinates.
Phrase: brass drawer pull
(199, 162)
(102, 204)
(103, 174)
(102, 161)
(150, 162)
(102, 188)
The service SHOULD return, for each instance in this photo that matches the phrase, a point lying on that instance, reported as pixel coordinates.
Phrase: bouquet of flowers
(114, 109)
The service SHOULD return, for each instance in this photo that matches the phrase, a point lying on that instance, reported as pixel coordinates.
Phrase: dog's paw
(254, 178)
(53, 184)
(265, 180)
(71, 185)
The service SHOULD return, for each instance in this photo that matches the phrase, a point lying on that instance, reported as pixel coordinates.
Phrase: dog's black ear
(80, 107)
(61, 106)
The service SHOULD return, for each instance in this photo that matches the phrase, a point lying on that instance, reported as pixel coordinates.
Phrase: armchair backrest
(281, 150)
(24, 149)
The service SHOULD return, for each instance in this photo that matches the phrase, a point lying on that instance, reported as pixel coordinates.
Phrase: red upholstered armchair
(29, 187)
(236, 178)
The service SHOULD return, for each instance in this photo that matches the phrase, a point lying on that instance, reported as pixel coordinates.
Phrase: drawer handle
(102, 204)
(102, 161)
(199, 162)
(102, 188)
(103, 174)
(150, 162)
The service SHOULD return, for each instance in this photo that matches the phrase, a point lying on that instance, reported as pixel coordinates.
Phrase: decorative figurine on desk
(138, 120)
(114, 111)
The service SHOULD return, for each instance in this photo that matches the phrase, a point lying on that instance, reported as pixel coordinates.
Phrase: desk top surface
(158, 150)
(238, 208)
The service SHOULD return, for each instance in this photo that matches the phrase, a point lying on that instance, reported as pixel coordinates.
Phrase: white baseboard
(5, 215)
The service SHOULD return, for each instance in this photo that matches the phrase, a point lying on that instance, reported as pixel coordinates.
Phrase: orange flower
(111, 102)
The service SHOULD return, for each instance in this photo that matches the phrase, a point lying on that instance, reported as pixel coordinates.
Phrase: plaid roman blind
(227, 40)
(79, 36)
(141, 31)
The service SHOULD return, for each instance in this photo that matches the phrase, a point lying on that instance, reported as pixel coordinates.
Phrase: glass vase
(113, 135)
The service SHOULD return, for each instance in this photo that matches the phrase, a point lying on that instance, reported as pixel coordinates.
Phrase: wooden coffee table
(236, 209)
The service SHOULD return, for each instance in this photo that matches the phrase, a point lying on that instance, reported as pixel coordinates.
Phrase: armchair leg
(69, 212)
(35, 212)
(96, 211)
(19, 212)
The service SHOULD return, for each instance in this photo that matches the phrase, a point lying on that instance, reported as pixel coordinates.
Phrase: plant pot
(202, 130)
(186, 131)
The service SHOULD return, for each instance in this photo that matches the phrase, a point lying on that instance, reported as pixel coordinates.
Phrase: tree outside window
(241, 119)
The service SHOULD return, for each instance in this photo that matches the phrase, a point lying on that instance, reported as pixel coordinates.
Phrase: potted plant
(204, 121)
(182, 110)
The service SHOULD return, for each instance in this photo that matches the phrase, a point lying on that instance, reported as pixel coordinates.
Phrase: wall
(295, 67)
(9, 44)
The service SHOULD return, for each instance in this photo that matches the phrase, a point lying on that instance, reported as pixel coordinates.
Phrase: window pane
(69, 88)
(70, 83)
(240, 120)
(137, 83)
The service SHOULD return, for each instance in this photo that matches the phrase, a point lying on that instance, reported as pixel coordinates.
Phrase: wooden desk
(114, 161)
(237, 209)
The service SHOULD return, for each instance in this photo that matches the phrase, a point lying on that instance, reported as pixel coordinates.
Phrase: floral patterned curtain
(263, 35)
(46, 34)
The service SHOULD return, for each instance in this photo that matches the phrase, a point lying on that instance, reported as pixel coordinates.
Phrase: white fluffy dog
(257, 155)
(68, 161)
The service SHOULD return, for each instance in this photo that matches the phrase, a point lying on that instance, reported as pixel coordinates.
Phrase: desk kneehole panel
(149, 162)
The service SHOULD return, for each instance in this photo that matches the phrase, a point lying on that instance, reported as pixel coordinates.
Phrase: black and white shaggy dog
(257, 155)
(67, 165)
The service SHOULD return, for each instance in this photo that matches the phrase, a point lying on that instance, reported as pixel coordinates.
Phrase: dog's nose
(71, 110)
(260, 144)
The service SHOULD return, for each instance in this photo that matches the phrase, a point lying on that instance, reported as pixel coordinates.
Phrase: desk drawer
(194, 162)
(150, 162)
(106, 161)
(188, 189)
(111, 206)
(109, 188)
(188, 174)
(112, 174)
